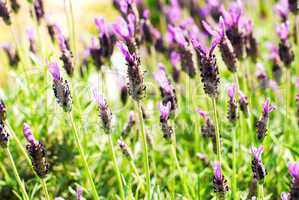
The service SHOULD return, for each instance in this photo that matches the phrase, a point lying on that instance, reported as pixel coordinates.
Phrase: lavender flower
(286, 53)
(261, 124)
(136, 85)
(294, 171)
(262, 76)
(131, 122)
(66, 54)
(15, 6)
(2, 111)
(106, 37)
(126, 32)
(125, 149)
(282, 9)
(79, 193)
(208, 129)
(250, 42)
(208, 68)
(31, 39)
(232, 104)
(104, 112)
(276, 63)
(50, 28)
(60, 87)
(243, 103)
(258, 169)
(4, 13)
(96, 53)
(37, 153)
(174, 60)
(184, 49)
(226, 48)
(234, 34)
(123, 92)
(12, 55)
(4, 135)
(39, 9)
(164, 115)
(167, 90)
(219, 181)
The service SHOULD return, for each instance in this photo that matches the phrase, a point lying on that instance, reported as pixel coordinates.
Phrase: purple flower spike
(161, 78)
(28, 134)
(125, 51)
(164, 111)
(294, 170)
(174, 58)
(217, 170)
(231, 91)
(54, 70)
(257, 152)
(79, 194)
(203, 114)
(283, 30)
(267, 108)
(99, 99)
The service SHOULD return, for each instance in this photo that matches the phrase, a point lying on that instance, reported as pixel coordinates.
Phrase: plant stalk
(43, 182)
(218, 142)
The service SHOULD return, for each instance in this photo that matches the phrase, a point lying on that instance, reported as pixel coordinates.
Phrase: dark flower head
(219, 182)
(232, 104)
(15, 6)
(175, 59)
(39, 9)
(124, 148)
(105, 112)
(31, 38)
(293, 6)
(60, 87)
(37, 152)
(2, 111)
(12, 54)
(4, 13)
(258, 169)
(207, 129)
(243, 103)
(136, 85)
(4, 135)
(208, 68)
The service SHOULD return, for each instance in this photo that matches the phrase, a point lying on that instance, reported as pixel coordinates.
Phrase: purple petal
(285, 196)
(257, 152)
(161, 78)
(99, 98)
(231, 91)
(100, 24)
(178, 35)
(283, 30)
(297, 82)
(30, 33)
(28, 134)
(174, 58)
(209, 29)
(125, 51)
(267, 108)
(121, 29)
(217, 170)
(294, 170)
(79, 193)
(202, 113)
(164, 110)
(54, 70)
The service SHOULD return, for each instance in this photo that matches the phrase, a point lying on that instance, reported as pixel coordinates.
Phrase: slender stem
(297, 27)
(136, 173)
(83, 159)
(287, 90)
(218, 142)
(260, 191)
(21, 184)
(73, 27)
(234, 181)
(173, 148)
(120, 185)
(43, 182)
(145, 151)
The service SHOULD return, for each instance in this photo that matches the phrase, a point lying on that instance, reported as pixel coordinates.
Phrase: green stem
(136, 173)
(83, 159)
(145, 151)
(234, 181)
(287, 90)
(260, 191)
(173, 148)
(21, 184)
(44, 185)
(120, 185)
(218, 142)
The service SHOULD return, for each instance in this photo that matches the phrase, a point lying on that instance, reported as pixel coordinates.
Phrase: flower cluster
(104, 112)
(4, 13)
(219, 181)
(4, 135)
(261, 124)
(164, 116)
(232, 104)
(258, 169)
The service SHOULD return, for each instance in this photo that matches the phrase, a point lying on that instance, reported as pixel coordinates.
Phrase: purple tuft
(28, 134)
(257, 152)
(267, 108)
(283, 30)
(54, 70)
(217, 170)
(294, 170)
(164, 110)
